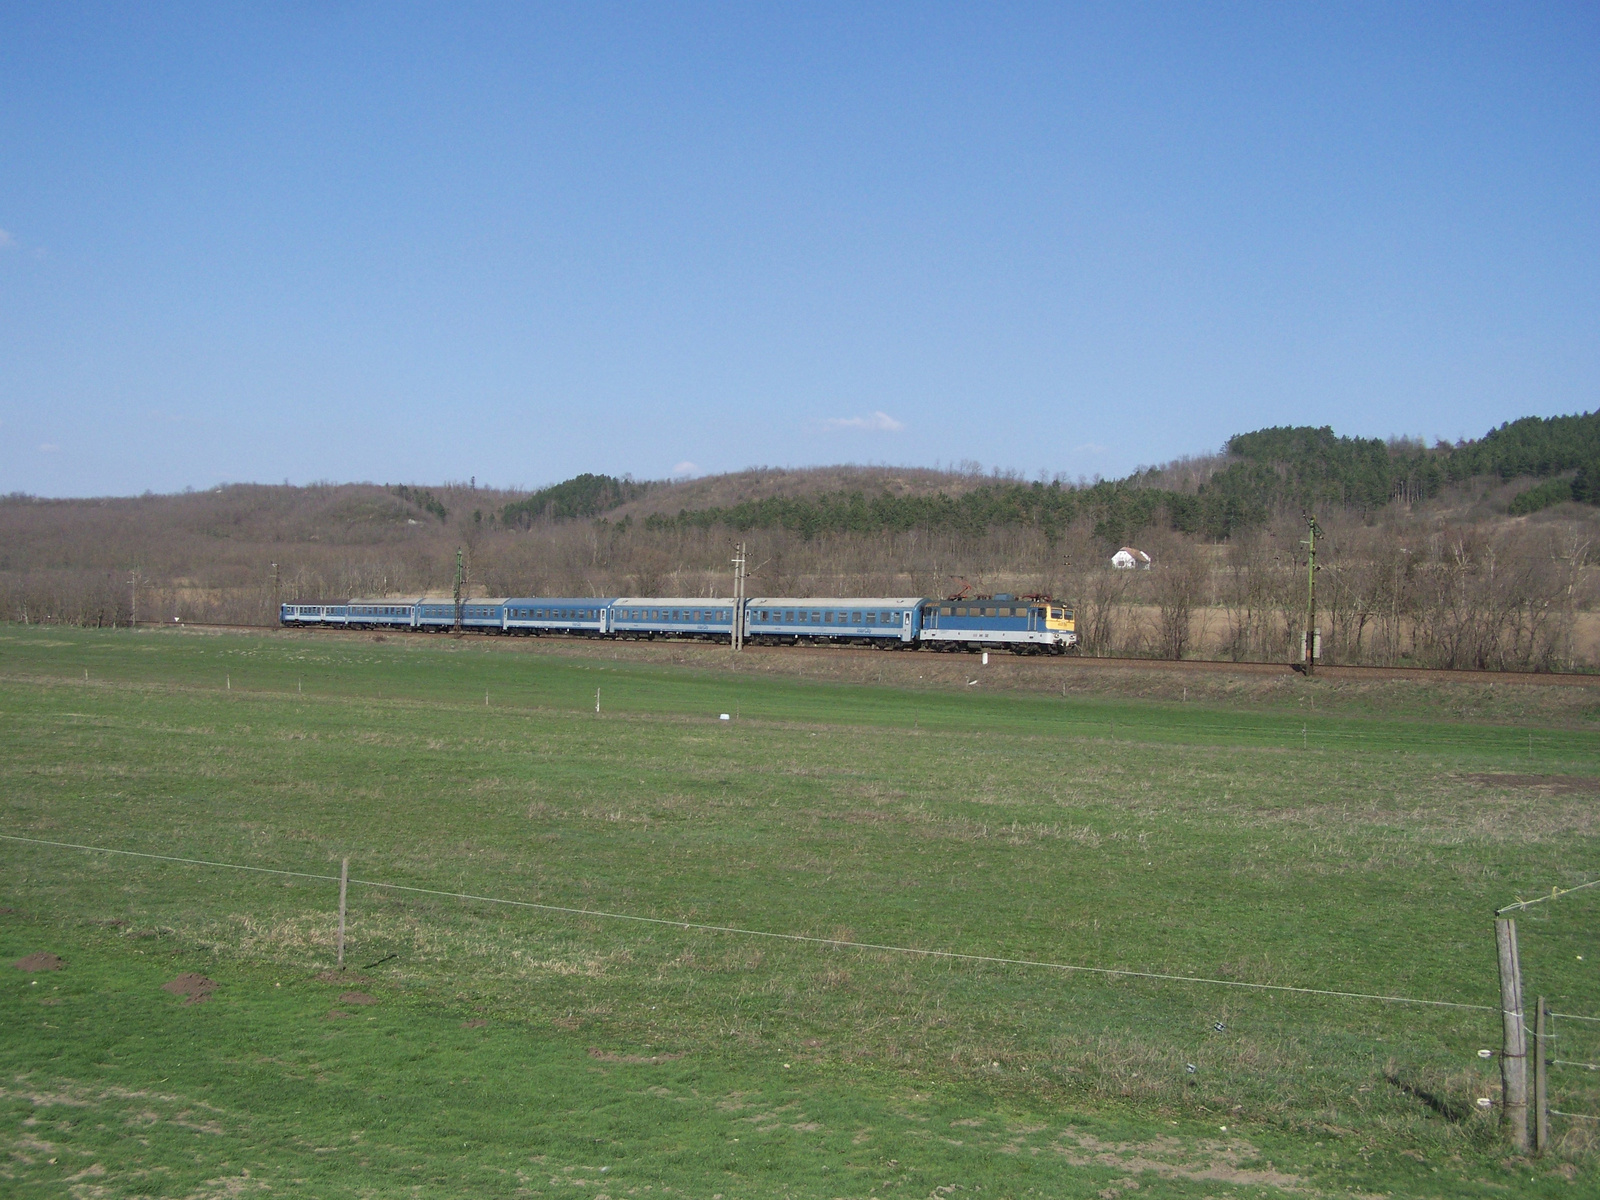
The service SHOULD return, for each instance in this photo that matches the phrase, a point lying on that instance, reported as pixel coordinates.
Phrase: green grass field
(1360, 847)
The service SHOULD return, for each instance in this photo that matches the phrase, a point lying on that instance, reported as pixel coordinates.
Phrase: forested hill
(1263, 473)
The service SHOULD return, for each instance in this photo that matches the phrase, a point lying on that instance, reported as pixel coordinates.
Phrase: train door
(905, 627)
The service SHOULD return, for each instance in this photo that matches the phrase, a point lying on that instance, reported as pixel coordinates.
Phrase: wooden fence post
(1541, 1107)
(1514, 1046)
(344, 884)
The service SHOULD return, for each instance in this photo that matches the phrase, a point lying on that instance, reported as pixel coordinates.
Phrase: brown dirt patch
(196, 988)
(337, 1014)
(608, 1056)
(1562, 784)
(475, 1023)
(1211, 1161)
(43, 961)
(356, 998)
(342, 977)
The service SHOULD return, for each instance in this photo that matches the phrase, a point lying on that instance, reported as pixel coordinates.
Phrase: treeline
(1410, 588)
(584, 495)
(1271, 472)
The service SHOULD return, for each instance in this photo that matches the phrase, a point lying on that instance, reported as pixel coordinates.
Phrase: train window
(872, 618)
(855, 618)
(827, 617)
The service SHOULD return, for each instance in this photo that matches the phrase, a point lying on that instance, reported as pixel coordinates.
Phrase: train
(962, 623)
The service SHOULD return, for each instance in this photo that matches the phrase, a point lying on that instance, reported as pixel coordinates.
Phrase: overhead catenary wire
(808, 939)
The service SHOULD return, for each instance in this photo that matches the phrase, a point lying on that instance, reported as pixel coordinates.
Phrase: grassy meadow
(1317, 834)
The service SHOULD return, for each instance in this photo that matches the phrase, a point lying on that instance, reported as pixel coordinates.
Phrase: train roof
(673, 601)
(601, 600)
(837, 601)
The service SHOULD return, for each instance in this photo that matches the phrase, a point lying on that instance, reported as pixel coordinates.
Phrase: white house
(1129, 558)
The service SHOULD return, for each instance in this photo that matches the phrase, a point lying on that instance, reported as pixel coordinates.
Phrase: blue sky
(416, 243)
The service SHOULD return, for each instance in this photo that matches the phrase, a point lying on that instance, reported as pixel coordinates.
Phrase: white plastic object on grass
(1485, 1102)
(724, 717)
(1485, 1053)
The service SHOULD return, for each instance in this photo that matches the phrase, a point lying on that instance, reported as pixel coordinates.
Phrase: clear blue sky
(414, 243)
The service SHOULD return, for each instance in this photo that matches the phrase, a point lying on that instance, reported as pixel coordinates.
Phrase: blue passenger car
(383, 613)
(436, 614)
(692, 617)
(586, 616)
(886, 621)
(313, 614)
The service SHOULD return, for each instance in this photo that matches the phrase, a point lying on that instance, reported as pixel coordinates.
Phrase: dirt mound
(342, 977)
(197, 988)
(356, 998)
(1559, 783)
(42, 961)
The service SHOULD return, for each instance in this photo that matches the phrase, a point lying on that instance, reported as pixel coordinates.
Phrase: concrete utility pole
(133, 598)
(458, 589)
(737, 640)
(277, 592)
(1311, 593)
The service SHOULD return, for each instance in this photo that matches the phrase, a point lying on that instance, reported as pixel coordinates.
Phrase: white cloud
(683, 470)
(878, 422)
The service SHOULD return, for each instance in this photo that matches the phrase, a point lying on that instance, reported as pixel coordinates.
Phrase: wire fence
(1351, 994)
(808, 939)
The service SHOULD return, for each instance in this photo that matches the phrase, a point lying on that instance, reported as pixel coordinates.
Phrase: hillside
(1471, 554)
(1259, 476)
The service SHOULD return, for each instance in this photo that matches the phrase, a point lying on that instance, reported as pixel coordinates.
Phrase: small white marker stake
(986, 658)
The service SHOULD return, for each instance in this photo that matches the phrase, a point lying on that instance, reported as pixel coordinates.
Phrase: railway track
(1065, 663)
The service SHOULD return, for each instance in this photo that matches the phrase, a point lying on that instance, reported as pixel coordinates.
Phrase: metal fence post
(344, 884)
(1541, 1107)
